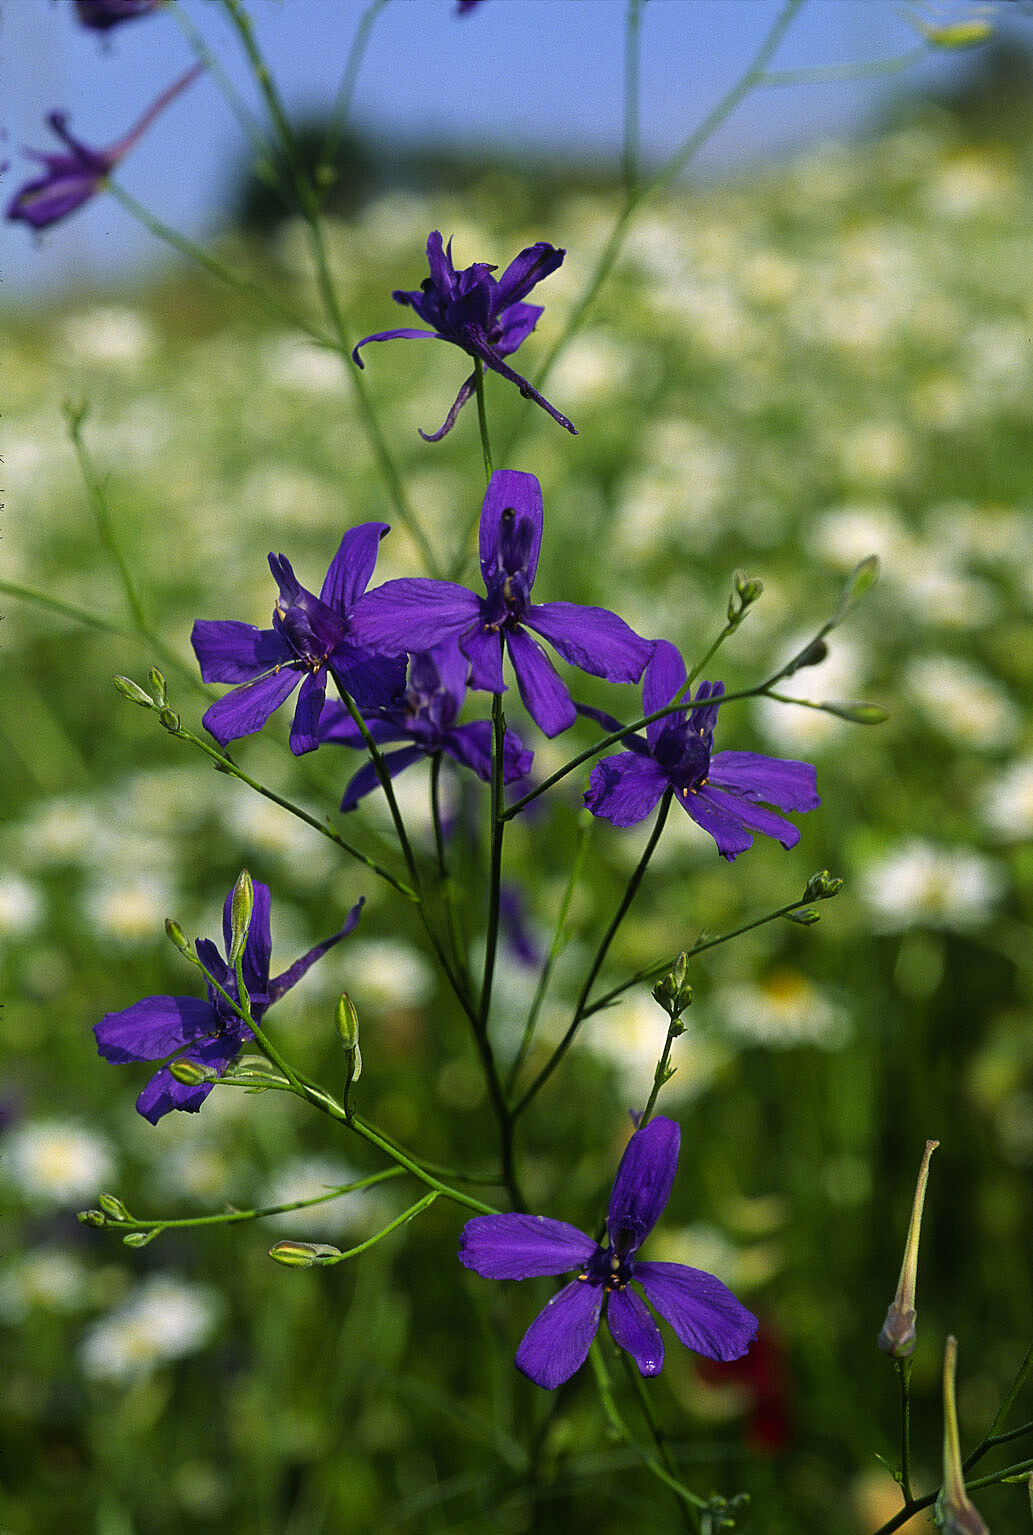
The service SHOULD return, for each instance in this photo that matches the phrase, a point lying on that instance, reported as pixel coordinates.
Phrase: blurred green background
(787, 372)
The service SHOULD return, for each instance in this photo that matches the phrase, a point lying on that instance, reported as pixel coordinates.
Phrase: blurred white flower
(389, 974)
(783, 1009)
(924, 883)
(631, 1035)
(163, 1319)
(293, 363)
(308, 1178)
(1007, 802)
(21, 906)
(130, 909)
(55, 1161)
(48, 1279)
(962, 701)
(108, 334)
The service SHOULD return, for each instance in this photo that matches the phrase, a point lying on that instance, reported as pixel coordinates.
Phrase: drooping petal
(352, 566)
(228, 651)
(623, 789)
(304, 735)
(703, 1312)
(774, 780)
(406, 333)
(466, 389)
(633, 1329)
(664, 676)
(643, 1183)
(543, 691)
(414, 613)
(162, 1093)
(557, 1342)
(247, 708)
(513, 496)
(492, 359)
(154, 1028)
(717, 811)
(514, 325)
(366, 780)
(522, 1246)
(525, 271)
(594, 639)
(283, 983)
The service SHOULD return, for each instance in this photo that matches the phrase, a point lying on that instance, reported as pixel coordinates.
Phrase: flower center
(608, 1269)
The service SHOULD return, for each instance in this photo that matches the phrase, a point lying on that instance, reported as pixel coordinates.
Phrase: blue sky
(512, 72)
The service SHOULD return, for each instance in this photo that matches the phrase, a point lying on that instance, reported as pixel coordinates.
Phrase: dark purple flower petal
(283, 983)
(522, 1246)
(466, 390)
(643, 1184)
(366, 779)
(471, 745)
(515, 325)
(513, 501)
(703, 1312)
(228, 651)
(632, 1328)
(729, 820)
(414, 613)
(623, 789)
(162, 1093)
(593, 639)
(154, 1028)
(525, 271)
(373, 681)
(351, 568)
(337, 725)
(556, 1344)
(544, 693)
(304, 735)
(664, 677)
(247, 708)
(493, 360)
(101, 15)
(405, 334)
(483, 649)
(774, 780)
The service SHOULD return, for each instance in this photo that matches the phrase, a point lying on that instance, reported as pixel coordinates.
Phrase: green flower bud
(673, 992)
(113, 1207)
(303, 1255)
(346, 1022)
(174, 933)
(92, 1218)
(242, 905)
(822, 886)
(190, 1073)
(898, 1331)
(806, 916)
(170, 721)
(131, 690)
(858, 713)
(863, 576)
(140, 1238)
(159, 691)
(811, 655)
(955, 1512)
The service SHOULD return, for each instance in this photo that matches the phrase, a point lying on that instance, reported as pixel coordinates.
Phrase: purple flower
(702, 1312)
(73, 176)
(310, 637)
(723, 793)
(425, 716)
(418, 614)
(483, 315)
(210, 1032)
(102, 15)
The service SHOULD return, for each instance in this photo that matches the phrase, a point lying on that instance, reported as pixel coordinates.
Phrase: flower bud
(898, 1331)
(140, 1238)
(806, 916)
(811, 655)
(92, 1218)
(170, 721)
(132, 690)
(113, 1207)
(346, 1021)
(956, 34)
(672, 991)
(174, 933)
(303, 1255)
(822, 886)
(190, 1073)
(858, 713)
(159, 691)
(242, 904)
(745, 591)
(955, 1512)
(864, 575)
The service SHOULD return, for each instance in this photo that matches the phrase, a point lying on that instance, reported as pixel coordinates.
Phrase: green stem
(661, 1075)
(581, 1010)
(993, 1433)
(689, 1514)
(482, 418)
(399, 1220)
(649, 1460)
(342, 101)
(904, 1377)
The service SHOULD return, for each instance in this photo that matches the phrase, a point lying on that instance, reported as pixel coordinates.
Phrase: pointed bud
(92, 1218)
(131, 690)
(303, 1255)
(174, 933)
(806, 916)
(169, 720)
(745, 591)
(141, 1238)
(811, 655)
(113, 1207)
(242, 904)
(858, 713)
(673, 992)
(346, 1022)
(898, 1331)
(159, 690)
(822, 886)
(863, 576)
(955, 1512)
(191, 1073)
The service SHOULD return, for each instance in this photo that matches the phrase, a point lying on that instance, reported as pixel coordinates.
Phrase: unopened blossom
(418, 614)
(425, 717)
(311, 639)
(210, 1032)
(726, 793)
(483, 315)
(703, 1313)
(73, 175)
